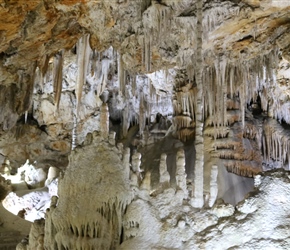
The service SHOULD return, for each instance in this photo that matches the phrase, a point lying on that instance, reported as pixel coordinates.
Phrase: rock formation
(190, 100)
(98, 224)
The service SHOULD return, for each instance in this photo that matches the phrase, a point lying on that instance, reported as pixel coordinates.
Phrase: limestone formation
(136, 162)
(213, 186)
(164, 178)
(97, 224)
(104, 119)
(204, 84)
(180, 172)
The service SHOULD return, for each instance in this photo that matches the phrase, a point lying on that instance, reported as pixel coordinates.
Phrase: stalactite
(134, 85)
(223, 69)
(199, 144)
(125, 120)
(43, 70)
(83, 56)
(142, 115)
(121, 75)
(26, 84)
(75, 126)
(57, 77)
(147, 52)
(232, 72)
(94, 58)
(243, 98)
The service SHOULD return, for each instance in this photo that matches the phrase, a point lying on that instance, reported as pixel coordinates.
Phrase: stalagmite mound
(93, 195)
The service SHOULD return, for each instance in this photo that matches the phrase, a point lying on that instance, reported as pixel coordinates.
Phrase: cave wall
(216, 72)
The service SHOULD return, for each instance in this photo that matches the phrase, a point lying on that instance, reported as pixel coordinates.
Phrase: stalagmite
(164, 177)
(104, 120)
(213, 186)
(25, 116)
(136, 162)
(57, 77)
(83, 56)
(146, 183)
(199, 146)
(112, 138)
(180, 171)
(134, 180)
(126, 161)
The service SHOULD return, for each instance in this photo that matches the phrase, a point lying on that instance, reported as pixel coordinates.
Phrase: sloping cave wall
(67, 65)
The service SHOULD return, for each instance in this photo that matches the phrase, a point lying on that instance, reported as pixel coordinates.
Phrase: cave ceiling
(148, 35)
(238, 29)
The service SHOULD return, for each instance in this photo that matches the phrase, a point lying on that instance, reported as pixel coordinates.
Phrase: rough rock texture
(261, 219)
(212, 74)
(130, 207)
(30, 191)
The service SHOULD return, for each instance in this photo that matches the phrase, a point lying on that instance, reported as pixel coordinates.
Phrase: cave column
(198, 200)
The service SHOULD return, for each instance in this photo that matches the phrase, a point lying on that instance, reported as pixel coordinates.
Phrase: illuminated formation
(144, 124)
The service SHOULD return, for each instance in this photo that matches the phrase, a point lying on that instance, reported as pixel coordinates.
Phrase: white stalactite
(57, 77)
(83, 57)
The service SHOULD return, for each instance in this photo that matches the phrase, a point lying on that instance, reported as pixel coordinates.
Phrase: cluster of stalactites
(140, 100)
(243, 81)
(215, 15)
(89, 62)
(17, 98)
(276, 143)
(184, 105)
(156, 29)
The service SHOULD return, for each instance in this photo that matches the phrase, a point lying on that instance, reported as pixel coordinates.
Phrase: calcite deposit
(153, 116)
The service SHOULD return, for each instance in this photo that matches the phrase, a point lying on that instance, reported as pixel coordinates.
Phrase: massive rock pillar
(199, 145)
